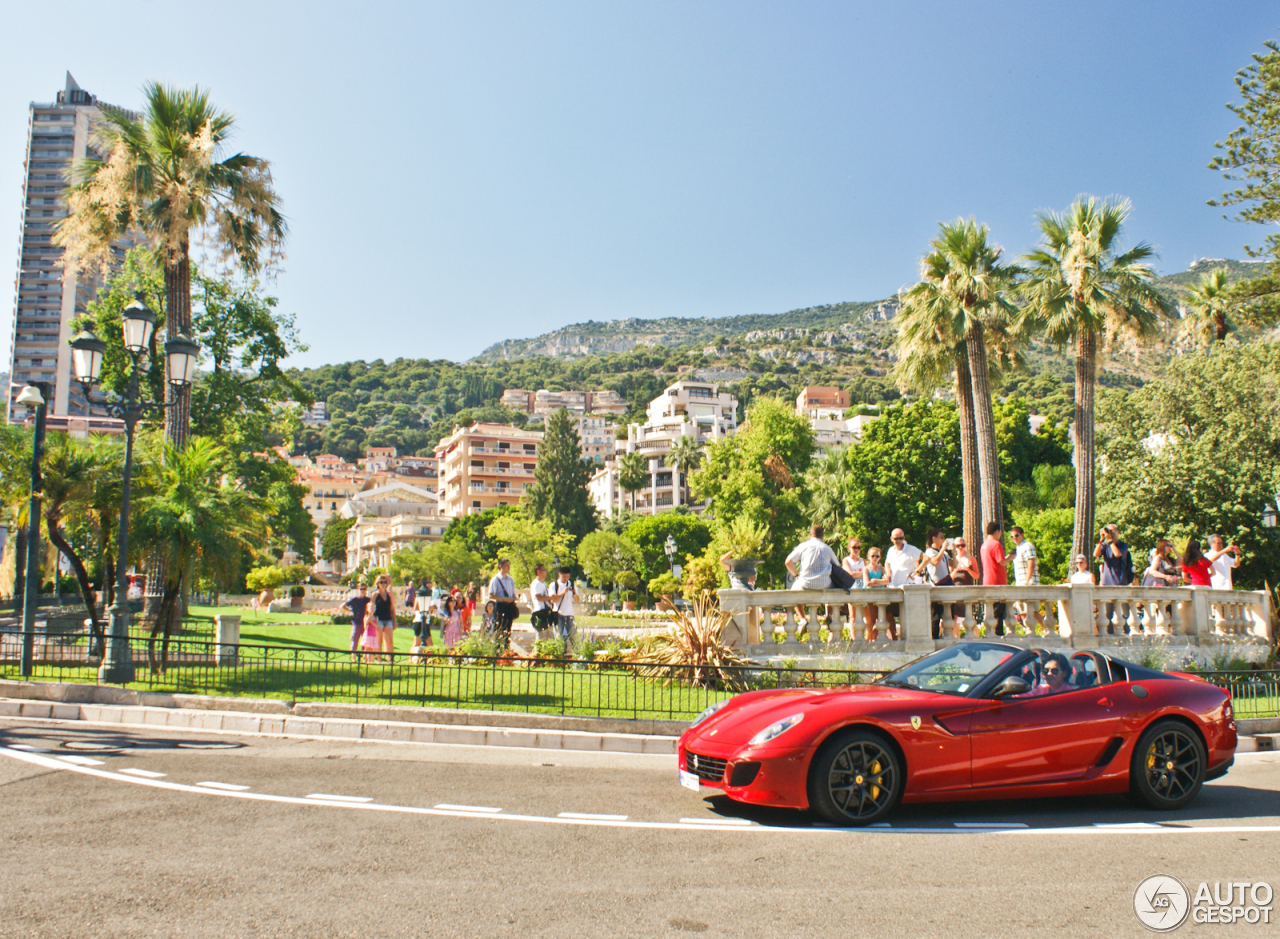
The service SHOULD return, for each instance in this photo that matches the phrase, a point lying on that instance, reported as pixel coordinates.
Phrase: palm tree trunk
(985, 427)
(19, 568)
(972, 527)
(1086, 370)
(1219, 326)
(98, 639)
(177, 320)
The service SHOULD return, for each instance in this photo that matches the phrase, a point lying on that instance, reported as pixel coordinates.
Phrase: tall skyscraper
(49, 298)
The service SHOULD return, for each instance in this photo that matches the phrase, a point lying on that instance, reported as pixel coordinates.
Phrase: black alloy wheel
(1168, 765)
(856, 778)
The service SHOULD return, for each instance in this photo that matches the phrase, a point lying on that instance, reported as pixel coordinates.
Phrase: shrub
(695, 645)
(664, 586)
(264, 578)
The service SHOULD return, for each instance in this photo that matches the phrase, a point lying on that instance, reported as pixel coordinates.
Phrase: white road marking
(1125, 825)
(229, 787)
(81, 760)
(592, 817)
(715, 821)
(332, 798)
(721, 825)
(450, 807)
(991, 825)
(29, 748)
(144, 773)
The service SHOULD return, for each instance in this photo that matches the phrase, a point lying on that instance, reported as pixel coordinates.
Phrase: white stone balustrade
(1078, 616)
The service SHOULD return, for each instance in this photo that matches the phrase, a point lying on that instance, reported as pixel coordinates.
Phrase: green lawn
(297, 675)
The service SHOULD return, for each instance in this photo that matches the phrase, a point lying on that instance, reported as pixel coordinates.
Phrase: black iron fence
(599, 687)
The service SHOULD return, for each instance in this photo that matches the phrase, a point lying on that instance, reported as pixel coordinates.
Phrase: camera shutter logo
(1162, 902)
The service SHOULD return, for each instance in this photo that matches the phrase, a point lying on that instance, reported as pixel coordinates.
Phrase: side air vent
(1110, 752)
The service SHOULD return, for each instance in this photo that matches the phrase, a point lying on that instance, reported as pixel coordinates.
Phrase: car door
(1043, 739)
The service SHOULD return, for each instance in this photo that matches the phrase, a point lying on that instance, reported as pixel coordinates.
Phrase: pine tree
(559, 491)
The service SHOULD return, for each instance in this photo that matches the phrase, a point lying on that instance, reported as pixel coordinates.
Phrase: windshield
(953, 670)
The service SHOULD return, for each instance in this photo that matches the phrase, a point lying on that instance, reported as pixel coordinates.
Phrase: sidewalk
(106, 704)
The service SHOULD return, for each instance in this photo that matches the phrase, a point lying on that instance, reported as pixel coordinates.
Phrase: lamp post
(1269, 520)
(86, 358)
(670, 548)
(34, 396)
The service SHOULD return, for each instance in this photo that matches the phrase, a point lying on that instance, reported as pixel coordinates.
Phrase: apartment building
(693, 409)
(824, 406)
(484, 466)
(547, 402)
(48, 298)
(597, 437)
(388, 518)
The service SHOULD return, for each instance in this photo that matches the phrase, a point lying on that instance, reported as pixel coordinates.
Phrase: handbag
(840, 578)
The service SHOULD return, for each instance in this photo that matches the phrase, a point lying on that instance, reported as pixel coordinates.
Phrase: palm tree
(195, 519)
(961, 295)
(633, 473)
(826, 487)
(928, 354)
(1208, 304)
(686, 454)
(161, 177)
(70, 474)
(1079, 289)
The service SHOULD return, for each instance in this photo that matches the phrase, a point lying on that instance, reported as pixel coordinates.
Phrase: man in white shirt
(562, 602)
(538, 598)
(1223, 563)
(900, 564)
(901, 559)
(810, 562)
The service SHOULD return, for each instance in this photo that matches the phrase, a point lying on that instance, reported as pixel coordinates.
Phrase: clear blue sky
(459, 173)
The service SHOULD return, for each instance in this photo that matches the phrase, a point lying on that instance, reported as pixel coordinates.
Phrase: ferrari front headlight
(774, 730)
(708, 712)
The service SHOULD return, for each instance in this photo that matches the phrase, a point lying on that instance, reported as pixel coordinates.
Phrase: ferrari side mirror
(1010, 686)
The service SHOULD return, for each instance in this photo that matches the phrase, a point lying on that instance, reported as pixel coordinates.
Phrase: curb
(1257, 743)
(111, 705)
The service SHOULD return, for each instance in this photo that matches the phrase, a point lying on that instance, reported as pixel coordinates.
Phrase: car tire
(1168, 766)
(856, 778)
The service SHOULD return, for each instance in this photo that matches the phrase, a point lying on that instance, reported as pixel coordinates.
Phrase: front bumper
(759, 776)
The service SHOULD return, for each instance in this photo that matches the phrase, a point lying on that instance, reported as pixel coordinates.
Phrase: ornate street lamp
(181, 355)
(670, 548)
(1269, 520)
(33, 397)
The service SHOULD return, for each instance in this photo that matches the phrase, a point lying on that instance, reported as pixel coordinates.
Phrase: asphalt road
(323, 838)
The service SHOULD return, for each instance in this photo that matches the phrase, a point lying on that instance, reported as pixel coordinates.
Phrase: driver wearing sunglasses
(1054, 675)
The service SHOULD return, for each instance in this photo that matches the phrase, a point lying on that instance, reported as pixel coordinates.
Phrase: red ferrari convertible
(977, 720)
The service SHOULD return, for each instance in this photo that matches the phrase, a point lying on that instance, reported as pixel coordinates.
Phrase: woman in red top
(1196, 568)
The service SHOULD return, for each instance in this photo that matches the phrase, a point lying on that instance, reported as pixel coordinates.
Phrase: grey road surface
(149, 833)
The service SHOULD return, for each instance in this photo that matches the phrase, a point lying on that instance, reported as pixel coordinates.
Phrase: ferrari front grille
(706, 768)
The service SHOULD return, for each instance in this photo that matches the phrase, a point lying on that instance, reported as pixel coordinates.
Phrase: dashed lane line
(144, 773)
(81, 761)
(484, 809)
(718, 824)
(29, 748)
(591, 816)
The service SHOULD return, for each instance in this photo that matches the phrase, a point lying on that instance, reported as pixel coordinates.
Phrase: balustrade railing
(919, 618)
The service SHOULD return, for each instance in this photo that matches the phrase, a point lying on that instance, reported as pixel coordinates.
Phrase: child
(452, 629)
(372, 640)
(490, 612)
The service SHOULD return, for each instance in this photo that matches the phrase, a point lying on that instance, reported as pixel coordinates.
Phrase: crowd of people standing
(946, 562)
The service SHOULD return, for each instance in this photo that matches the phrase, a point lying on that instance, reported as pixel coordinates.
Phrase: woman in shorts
(384, 611)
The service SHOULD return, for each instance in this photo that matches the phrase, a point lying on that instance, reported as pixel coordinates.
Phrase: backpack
(840, 578)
